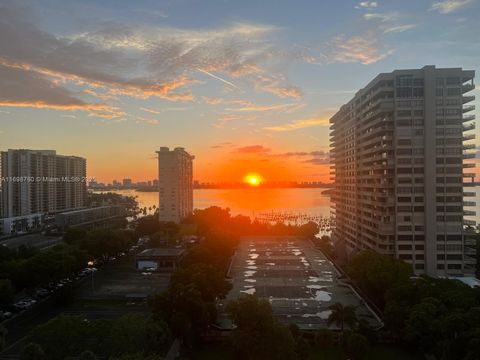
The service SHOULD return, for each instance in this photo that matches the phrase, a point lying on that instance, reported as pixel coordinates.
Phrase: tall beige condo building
(175, 185)
(402, 155)
(40, 181)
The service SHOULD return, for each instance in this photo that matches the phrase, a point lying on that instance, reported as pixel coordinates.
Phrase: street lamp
(90, 265)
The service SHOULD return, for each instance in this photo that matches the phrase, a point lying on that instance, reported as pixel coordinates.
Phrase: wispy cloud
(448, 6)
(273, 85)
(300, 124)
(222, 145)
(114, 60)
(251, 107)
(149, 121)
(151, 111)
(212, 100)
(365, 49)
(252, 149)
(400, 28)
(366, 5)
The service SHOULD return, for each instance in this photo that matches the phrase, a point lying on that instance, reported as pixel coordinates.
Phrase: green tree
(356, 346)
(3, 337)
(133, 332)
(423, 324)
(324, 338)
(376, 274)
(87, 355)
(208, 280)
(74, 235)
(137, 356)
(32, 351)
(342, 316)
(257, 334)
(148, 225)
(63, 336)
(6, 293)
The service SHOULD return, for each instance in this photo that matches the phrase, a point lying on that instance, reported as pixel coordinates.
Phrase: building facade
(403, 170)
(92, 218)
(40, 181)
(175, 184)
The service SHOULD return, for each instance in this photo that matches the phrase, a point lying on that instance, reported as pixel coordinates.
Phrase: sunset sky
(245, 86)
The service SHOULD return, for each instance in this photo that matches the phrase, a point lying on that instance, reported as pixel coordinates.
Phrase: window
(406, 142)
(404, 92)
(404, 113)
(453, 81)
(454, 266)
(453, 111)
(418, 92)
(453, 91)
(452, 102)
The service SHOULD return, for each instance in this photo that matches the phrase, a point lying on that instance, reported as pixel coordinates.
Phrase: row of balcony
(468, 108)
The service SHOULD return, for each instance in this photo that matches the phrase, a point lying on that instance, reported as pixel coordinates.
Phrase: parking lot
(120, 280)
(297, 279)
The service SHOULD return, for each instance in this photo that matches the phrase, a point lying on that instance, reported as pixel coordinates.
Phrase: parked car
(41, 293)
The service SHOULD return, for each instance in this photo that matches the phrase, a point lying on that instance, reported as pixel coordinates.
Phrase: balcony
(469, 184)
(469, 222)
(469, 137)
(467, 88)
(468, 165)
(467, 99)
(469, 203)
(469, 156)
(468, 146)
(469, 194)
(468, 118)
(468, 108)
(469, 127)
(469, 213)
(468, 175)
(469, 251)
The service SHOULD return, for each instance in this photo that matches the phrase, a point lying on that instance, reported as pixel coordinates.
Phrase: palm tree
(342, 315)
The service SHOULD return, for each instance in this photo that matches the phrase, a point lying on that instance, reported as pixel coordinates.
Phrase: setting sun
(253, 179)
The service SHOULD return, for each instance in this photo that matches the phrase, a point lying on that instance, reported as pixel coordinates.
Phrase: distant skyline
(244, 86)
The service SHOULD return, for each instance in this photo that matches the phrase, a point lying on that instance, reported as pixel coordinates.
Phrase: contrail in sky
(219, 78)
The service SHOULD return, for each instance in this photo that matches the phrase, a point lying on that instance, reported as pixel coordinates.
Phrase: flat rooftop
(161, 252)
(296, 278)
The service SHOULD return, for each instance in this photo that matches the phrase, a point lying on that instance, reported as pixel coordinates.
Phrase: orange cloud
(252, 149)
(300, 124)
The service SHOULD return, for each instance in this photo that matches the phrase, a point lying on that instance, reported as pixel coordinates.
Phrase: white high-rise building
(175, 184)
(40, 181)
(403, 169)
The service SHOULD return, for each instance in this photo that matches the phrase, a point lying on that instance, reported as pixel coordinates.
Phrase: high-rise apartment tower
(40, 181)
(402, 157)
(175, 184)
